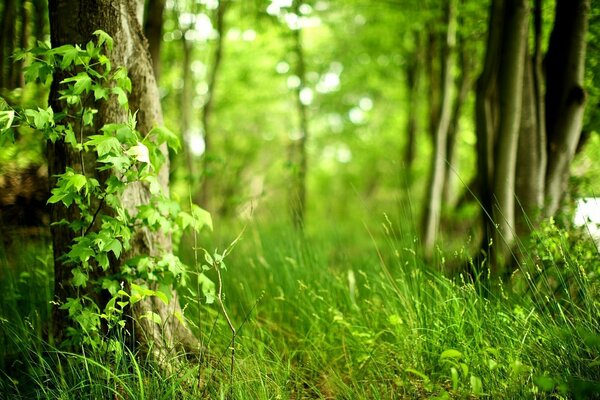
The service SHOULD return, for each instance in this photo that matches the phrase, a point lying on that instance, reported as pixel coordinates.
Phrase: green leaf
(83, 82)
(162, 297)
(80, 278)
(69, 54)
(476, 385)
(104, 144)
(103, 38)
(163, 135)
(100, 92)
(122, 80)
(202, 218)
(88, 116)
(418, 373)
(152, 316)
(451, 353)
(115, 246)
(78, 181)
(544, 382)
(102, 260)
(6, 120)
(208, 288)
(121, 95)
(111, 285)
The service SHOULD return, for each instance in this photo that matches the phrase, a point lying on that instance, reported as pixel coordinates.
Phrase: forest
(300, 199)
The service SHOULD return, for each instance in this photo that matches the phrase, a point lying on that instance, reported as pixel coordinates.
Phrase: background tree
(509, 101)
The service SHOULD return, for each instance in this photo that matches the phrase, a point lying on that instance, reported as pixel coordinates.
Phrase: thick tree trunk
(298, 148)
(121, 20)
(438, 169)
(565, 95)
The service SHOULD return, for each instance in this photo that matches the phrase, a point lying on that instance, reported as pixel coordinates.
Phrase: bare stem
(231, 327)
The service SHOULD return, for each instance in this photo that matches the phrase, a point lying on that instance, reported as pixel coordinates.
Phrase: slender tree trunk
(565, 95)
(298, 148)
(464, 85)
(433, 71)
(7, 42)
(487, 116)
(413, 78)
(511, 96)
(186, 112)
(206, 194)
(121, 20)
(153, 24)
(40, 19)
(531, 155)
(438, 169)
(22, 38)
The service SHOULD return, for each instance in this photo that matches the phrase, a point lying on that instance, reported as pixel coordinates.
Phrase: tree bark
(565, 95)
(121, 20)
(438, 169)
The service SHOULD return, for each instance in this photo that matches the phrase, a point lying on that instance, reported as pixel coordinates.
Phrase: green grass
(347, 312)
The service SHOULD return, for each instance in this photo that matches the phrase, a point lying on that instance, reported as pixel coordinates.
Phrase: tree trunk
(298, 148)
(464, 84)
(7, 43)
(565, 95)
(73, 21)
(205, 195)
(186, 112)
(438, 169)
(413, 78)
(153, 24)
(511, 95)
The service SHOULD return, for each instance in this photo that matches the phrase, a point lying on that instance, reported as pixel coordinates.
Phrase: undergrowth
(337, 316)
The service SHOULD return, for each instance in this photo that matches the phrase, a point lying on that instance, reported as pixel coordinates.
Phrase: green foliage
(103, 227)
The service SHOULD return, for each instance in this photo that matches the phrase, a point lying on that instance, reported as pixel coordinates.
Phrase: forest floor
(338, 314)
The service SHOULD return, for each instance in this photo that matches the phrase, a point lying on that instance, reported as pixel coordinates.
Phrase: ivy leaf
(80, 278)
(115, 246)
(208, 288)
(88, 116)
(6, 120)
(165, 135)
(122, 80)
(111, 285)
(83, 82)
(104, 37)
(100, 92)
(202, 218)
(78, 181)
(102, 260)
(104, 144)
(139, 152)
(69, 54)
(121, 95)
